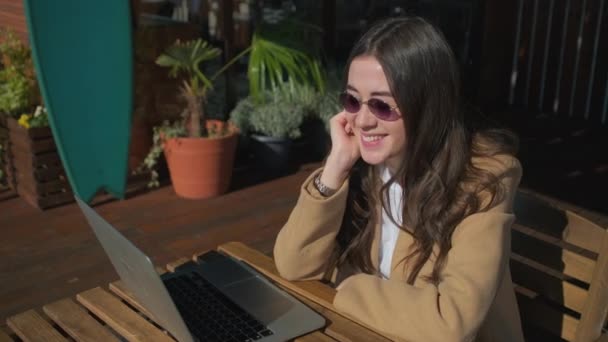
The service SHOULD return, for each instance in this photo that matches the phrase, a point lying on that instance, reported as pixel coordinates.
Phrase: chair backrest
(559, 265)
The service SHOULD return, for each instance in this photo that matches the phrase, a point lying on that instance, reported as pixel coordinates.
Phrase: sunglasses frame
(393, 115)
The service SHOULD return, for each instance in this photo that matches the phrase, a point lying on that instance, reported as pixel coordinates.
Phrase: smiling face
(379, 141)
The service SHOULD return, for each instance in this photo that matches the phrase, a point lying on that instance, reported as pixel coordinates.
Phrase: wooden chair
(559, 265)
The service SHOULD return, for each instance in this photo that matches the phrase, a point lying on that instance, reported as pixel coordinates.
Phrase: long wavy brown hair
(442, 141)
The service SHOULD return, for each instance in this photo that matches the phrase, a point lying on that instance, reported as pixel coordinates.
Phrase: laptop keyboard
(209, 314)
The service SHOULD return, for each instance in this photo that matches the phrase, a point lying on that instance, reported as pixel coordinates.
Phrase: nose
(365, 118)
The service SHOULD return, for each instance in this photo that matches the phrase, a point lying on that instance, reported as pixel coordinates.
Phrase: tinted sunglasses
(379, 108)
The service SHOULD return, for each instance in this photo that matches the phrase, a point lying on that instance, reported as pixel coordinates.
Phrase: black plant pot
(272, 155)
(314, 144)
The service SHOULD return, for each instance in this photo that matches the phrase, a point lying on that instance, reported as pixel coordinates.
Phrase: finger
(348, 128)
(338, 123)
(340, 118)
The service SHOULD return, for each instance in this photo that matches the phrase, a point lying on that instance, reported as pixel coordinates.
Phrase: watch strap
(322, 188)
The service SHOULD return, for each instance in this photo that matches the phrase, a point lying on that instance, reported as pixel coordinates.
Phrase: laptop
(217, 298)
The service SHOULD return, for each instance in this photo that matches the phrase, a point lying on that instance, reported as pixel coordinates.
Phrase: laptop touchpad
(259, 299)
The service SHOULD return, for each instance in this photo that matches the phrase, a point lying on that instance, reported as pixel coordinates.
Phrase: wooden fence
(558, 56)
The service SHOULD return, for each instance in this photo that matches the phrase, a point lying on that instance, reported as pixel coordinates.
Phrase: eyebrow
(374, 93)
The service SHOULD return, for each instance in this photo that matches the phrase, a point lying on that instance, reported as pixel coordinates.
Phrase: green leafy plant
(186, 58)
(284, 52)
(277, 56)
(328, 107)
(39, 118)
(279, 115)
(328, 104)
(165, 131)
(18, 86)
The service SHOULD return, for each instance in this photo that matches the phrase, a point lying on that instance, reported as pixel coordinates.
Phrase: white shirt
(390, 232)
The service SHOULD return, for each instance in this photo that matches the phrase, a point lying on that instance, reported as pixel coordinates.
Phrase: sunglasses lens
(382, 110)
(379, 108)
(350, 103)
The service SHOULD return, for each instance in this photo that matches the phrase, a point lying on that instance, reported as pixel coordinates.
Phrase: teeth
(369, 138)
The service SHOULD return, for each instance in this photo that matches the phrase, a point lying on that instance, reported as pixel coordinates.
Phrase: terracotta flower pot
(201, 167)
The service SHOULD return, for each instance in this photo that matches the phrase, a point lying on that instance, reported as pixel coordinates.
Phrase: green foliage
(18, 87)
(40, 118)
(15, 92)
(280, 114)
(240, 114)
(186, 58)
(161, 133)
(279, 53)
(12, 50)
(284, 52)
(328, 104)
(328, 107)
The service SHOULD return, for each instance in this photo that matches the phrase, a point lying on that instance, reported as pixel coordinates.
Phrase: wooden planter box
(4, 151)
(6, 159)
(37, 170)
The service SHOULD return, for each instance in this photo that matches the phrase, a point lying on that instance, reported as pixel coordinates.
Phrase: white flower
(39, 111)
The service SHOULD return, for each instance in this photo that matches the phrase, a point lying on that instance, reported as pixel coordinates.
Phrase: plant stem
(230, 62)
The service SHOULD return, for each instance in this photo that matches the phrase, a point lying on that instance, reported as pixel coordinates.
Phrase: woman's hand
(344, 151)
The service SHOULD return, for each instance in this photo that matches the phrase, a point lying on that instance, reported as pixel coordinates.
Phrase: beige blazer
(475, 300)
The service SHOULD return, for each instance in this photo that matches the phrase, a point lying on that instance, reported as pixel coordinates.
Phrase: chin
(373, 159)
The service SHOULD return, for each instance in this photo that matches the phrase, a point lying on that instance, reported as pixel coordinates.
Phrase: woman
(411, 213)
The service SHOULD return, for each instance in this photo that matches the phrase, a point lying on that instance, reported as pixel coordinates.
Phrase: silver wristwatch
(323, 189)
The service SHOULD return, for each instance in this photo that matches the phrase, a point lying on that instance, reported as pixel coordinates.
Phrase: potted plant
(199, 152)
(285, 75)
(275, 56)
(274, 122)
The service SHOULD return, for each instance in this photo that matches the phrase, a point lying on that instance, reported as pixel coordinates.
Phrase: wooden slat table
(113, 314)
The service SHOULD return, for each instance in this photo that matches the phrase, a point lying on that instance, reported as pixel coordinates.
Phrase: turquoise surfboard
(82, 53)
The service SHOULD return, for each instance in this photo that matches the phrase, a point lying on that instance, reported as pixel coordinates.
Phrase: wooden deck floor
(47, 255)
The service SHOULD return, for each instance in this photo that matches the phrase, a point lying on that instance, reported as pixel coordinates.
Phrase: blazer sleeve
(305, 242)
(454, 309)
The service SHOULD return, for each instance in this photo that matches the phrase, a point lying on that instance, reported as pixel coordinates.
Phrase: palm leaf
(187, 57)
(274, 62)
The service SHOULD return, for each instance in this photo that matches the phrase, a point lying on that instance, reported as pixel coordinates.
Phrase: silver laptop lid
(138, 273)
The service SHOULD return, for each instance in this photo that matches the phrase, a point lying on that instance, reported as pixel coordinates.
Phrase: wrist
(333, 176)
(323, 189)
